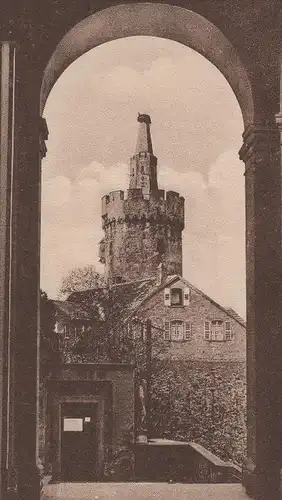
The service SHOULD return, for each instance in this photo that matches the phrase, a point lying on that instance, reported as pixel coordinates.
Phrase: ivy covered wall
(202, 402)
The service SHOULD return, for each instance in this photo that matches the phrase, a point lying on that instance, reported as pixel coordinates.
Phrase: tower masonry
(143, 229)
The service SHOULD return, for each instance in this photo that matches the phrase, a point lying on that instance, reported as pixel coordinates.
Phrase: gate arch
(159, 20)
(253, 76)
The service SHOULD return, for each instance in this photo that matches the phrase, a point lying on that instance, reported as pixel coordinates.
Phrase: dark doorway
(79, 442)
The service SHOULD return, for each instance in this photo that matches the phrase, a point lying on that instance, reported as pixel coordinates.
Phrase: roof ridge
(233, 314)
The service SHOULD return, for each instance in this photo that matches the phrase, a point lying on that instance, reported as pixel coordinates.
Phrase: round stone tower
(143, 229)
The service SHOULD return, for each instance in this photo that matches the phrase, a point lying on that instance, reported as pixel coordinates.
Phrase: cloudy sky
(196, 129)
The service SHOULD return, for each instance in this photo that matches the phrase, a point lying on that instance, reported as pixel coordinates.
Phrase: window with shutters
(217, 333)
(217, 330)
(177, 330)
(177, 297)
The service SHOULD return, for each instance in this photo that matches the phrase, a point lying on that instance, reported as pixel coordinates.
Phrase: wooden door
(79, 446)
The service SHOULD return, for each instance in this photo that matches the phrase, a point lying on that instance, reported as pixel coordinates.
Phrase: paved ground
(143, 491)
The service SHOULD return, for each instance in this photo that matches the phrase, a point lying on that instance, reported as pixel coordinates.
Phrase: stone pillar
(25, 272)
(261, 154)
(7, 87)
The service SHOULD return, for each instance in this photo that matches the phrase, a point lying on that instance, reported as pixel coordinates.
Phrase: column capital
(43, 136)
(258, 141)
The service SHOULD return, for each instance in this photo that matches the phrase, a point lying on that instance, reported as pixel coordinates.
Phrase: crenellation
(116, 195)
(135, 194)
(160, 193)
(166, 208)
(171, 195)
(112, 207)
(105, 201)
(143, 228)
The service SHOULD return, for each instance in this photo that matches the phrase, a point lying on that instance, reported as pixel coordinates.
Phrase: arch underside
(158, 20)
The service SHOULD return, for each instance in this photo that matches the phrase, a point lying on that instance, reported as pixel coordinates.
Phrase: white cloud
(56, 191)
(196, 128)
(92, 109)
(213, 242)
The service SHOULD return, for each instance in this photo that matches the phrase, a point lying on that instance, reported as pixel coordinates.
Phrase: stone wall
(199, 310)
(201, 402)
(180, 461)
(198, 386)
(140, 233)
(111, 388)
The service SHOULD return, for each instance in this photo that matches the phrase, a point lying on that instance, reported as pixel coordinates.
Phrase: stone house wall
(198, 386)
(199, 310)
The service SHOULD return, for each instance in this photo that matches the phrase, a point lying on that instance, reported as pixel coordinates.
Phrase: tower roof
(144, 140)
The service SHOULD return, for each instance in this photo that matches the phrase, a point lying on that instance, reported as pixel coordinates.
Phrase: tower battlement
(112, 204)
(137, 208)
(143, 226)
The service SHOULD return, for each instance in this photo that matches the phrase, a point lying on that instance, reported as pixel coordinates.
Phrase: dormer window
(177, 297)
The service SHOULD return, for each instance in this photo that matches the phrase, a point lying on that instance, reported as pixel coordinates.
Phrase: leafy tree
(79, 279)
(49, 347)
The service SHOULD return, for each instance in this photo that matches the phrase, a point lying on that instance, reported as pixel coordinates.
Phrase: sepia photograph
(140, 250)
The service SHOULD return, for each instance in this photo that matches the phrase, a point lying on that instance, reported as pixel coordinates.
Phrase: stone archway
(250, 64)
(159, 20)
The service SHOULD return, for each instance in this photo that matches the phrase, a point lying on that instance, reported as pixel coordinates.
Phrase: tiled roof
(127, 297)
(75, 310)
(235, 315)
(121, 301)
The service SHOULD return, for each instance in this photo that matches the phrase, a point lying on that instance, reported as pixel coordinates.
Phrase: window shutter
(143, 330)
(187, 294)
(207, 334)
(188, 331)
(166, 330)
(167, 300)
(228, 332)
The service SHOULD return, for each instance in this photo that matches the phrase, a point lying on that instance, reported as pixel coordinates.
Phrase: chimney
(161, 274)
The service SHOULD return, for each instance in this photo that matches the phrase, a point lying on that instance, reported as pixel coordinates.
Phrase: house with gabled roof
(198, 347)
(193, 325)
(142, 254)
